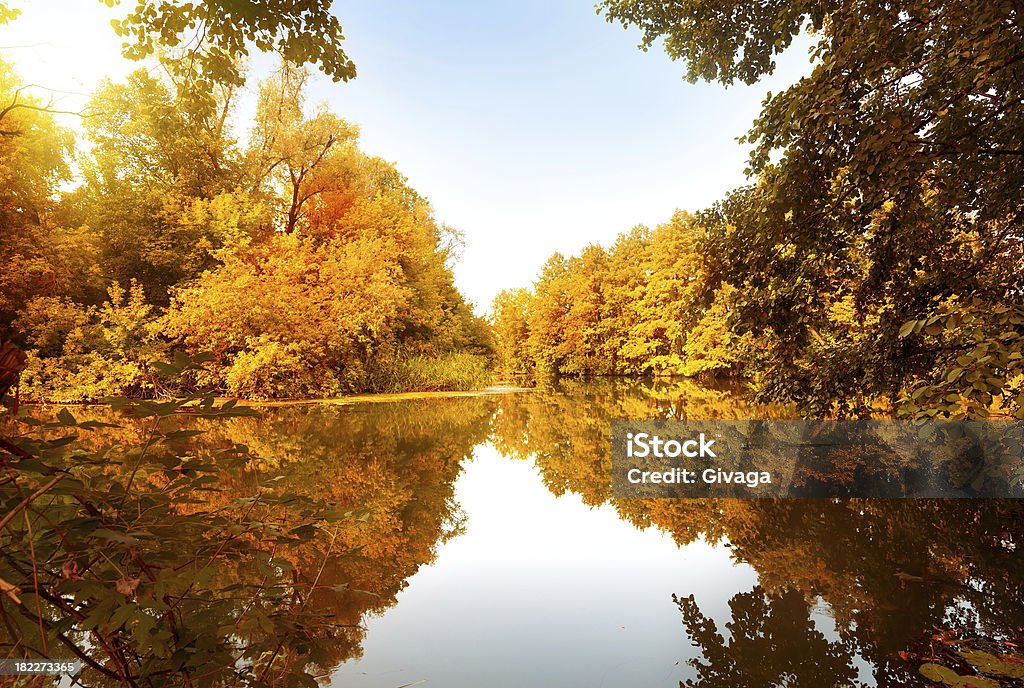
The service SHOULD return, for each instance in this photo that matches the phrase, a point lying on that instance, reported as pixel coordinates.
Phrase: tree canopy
(214, 36)
(307, 267)
(877, 251)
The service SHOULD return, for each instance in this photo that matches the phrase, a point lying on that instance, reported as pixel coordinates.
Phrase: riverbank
(388, 397)
(377, 397)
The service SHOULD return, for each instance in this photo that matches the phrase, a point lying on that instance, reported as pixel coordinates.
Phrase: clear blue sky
(533, 126)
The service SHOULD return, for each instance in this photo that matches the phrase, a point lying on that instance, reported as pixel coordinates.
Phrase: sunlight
(64, 54)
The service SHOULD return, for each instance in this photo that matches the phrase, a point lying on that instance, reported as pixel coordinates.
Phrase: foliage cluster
(641, 307)
(878, 252)
(306, 266)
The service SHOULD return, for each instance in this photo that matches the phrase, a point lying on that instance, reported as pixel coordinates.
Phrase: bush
(84, 353)
(267, 369)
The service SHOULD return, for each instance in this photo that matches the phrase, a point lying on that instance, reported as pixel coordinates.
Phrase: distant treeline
(636, 308)
(303, 266)
(876, 257)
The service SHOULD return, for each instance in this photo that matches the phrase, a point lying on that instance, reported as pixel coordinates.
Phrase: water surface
(493, 553)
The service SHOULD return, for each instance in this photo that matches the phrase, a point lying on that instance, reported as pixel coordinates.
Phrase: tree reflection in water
(890, 573)
(773, 641)
(395, 462)
(390, 468)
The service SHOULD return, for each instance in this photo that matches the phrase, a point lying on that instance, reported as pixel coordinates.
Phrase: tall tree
(891, 175)
(356, 281)
(156, 169)
(39, 257)
(291, 155)
(510, 315)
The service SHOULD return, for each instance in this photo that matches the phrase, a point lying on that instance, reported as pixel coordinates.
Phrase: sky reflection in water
(543, 590)
(550, 581)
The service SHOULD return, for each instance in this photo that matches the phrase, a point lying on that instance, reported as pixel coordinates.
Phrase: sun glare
(65, 54)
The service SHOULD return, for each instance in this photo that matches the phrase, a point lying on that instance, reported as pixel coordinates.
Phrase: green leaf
(115, 536)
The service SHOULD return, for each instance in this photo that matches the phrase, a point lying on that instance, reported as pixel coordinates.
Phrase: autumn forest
(873, 262)
(247, 409)
(302, 266)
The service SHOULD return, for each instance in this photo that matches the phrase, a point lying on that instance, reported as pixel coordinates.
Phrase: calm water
(495, 555)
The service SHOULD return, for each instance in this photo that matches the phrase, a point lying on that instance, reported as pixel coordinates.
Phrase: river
(493, 553)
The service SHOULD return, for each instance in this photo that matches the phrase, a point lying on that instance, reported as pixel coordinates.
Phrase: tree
(547, 319)
(162, 183)
(293, 157)
(663, 311)
(627, 281)
(582, 345)
(711, 345)
(890, 174)
(354, 293)
(286, 318)
(39, 256)
(85, 353)
(510, 321)
(643, 306)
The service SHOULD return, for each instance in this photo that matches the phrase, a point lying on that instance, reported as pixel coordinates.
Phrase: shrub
(78, 353)
(270, 369)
